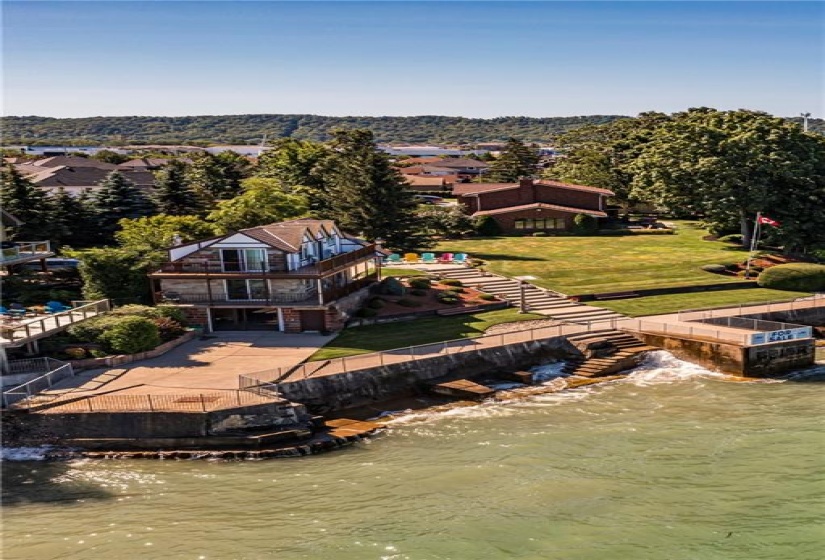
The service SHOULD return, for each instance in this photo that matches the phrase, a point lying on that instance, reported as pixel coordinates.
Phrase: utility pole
(805, 117)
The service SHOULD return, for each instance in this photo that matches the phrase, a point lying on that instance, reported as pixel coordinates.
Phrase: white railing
(18, 331)
(38, 384)
(815, 300)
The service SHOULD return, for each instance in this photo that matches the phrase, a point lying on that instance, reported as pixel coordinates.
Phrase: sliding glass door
(238, 289)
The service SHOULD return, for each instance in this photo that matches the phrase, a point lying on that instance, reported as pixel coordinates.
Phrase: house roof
(474, 188)
(462, 162)
(144, 163)
(288, 236)
(78, 177)
(423, 181)
(73, 161)
(541, 206)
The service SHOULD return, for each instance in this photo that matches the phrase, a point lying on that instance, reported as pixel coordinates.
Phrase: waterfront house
(532, 205)
(294, 276)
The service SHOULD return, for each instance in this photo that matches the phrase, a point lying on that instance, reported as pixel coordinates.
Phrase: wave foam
(663, 367)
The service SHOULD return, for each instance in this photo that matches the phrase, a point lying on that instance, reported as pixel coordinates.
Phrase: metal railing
(61, 371)
(20, 329)
(193, 402)
(26, 249)
(316, 268)
(174, 296)
(688, 329)
(815, 300)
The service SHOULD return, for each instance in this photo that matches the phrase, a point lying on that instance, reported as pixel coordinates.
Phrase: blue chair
(394, 258)
(56, 307)
(460, 258)
(428, 258)
(3, 310)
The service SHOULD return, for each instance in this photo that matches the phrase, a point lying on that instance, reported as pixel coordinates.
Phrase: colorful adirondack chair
(394, 258)
(445, 258)
(460, 258)
(411, 258)
(55, 307)
(428, 258)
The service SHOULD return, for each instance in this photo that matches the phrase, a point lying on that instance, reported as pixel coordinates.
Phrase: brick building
(300, 275)
(532, 205)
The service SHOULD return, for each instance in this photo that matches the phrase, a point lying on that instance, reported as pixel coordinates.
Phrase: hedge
(130, 335)
(800, 277)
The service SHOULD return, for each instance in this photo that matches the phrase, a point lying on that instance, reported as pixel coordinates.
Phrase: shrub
(418, 293)
(75, 353)
(168, 329)
(420, 283)
(731, 266)
(448, 300)
(452, 282)
(159, 312)
(585, 224)
(391, 287)
(91, 329)
(129, 335)
(376, 303)
(408, 302)
(487, 226)
(802, 277)
(475, 263)
(715, 268)
(487, 297)
(97, 353)
(732, 238)
(366, 312)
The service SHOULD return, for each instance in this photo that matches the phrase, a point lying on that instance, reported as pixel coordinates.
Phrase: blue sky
(473, 59)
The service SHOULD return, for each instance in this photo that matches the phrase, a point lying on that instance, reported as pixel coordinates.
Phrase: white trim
(209, 320)
(281, 325)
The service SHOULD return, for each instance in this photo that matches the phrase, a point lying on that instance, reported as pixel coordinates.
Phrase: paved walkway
(213, 363)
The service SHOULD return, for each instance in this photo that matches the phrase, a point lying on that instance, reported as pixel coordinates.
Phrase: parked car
(428, 199)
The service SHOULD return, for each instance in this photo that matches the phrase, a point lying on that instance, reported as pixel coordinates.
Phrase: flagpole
(757, 230)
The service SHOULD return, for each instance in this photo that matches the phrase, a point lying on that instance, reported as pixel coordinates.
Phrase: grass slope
(577, 265)
(387, 336)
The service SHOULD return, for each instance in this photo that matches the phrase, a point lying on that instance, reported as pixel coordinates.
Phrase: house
(300, 275)
(532, 205)
(76, 174)
(420, 183)
(464, 168)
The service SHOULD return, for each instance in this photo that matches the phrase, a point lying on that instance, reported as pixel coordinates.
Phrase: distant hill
(250, 129)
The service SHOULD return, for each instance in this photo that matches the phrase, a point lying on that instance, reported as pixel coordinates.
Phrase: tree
(118, 274)
(263, 201)
(172, 193)
(729, 165)
(116, 199)
(26, 202)
(234, 169)
(73, 220)
(109, 156)
(602, 155)
(299, 166)
(366, 195)
(515, 162)
(156, 233)
(445, 221)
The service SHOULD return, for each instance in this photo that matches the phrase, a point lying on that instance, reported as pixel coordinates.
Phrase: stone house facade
(295, 276)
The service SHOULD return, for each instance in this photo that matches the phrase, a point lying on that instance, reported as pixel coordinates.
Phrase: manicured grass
(657, 305)
(387, 336)
(390, 271)
(579, 265)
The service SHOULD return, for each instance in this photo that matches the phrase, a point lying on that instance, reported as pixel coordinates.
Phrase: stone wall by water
(346, 390)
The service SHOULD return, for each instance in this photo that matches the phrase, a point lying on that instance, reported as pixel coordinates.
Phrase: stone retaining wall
(110, 361)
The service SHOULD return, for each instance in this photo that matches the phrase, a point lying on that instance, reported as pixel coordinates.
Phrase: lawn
(390, 271)
(387, 336)
(657, 305)
(579, 265)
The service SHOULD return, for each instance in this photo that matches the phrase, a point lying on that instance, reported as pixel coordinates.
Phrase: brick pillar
(292, 320)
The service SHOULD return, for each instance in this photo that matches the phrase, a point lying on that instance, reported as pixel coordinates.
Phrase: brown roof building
(531, 206)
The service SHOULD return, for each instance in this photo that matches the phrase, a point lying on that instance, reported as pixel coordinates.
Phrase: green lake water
(672, 463)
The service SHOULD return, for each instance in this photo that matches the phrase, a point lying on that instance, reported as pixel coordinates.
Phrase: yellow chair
(410, 258)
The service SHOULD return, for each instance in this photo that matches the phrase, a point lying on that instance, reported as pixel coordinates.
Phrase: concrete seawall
(346, 390)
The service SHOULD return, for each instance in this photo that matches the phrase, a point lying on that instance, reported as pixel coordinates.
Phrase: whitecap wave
(39, 453)
(663, 367)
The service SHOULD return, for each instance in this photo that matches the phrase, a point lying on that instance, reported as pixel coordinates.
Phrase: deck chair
(428, 258)
(3, 310)
(445, 258)
(460, 258)
(56, 307)
(394, 258)
(411, 258)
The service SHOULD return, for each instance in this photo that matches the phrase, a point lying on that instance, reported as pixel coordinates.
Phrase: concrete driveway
(213, 363)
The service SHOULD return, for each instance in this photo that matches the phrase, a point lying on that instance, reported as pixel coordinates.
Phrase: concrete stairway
(604, 353)
(538, 300)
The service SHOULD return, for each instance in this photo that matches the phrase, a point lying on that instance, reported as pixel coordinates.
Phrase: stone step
(463, 389)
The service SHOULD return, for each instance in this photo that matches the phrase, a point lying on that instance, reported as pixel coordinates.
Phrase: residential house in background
(76, 174)
(532, 205)
(300, 275)
(464, 168)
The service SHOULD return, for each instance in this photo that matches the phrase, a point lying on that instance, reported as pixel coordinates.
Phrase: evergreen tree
(66, 215)
(234, 169)
(515, 162)
(366, 195)
(28, 203)
(205, 176)
(172, 194)
(116, 199)
(299, 166)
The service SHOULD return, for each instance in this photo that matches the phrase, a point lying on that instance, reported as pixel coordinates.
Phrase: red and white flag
(768, 221)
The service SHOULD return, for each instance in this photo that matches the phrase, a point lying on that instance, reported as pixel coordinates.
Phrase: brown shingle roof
(288, 236)
(73, 161)
(543, 206)
(586, 188)
(472, 188)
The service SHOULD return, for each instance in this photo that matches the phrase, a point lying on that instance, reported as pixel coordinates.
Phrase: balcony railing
(176, 297)
(26, 250)
(318, 268)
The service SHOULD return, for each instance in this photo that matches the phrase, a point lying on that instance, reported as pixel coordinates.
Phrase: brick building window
(540, 223)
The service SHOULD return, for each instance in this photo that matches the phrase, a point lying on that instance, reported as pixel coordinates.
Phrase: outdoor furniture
(428, 258)
(17, 310)
(394, 258)
(56, 307)
(411, 258)
(3, 310)
(445, 258)
(460, 258)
